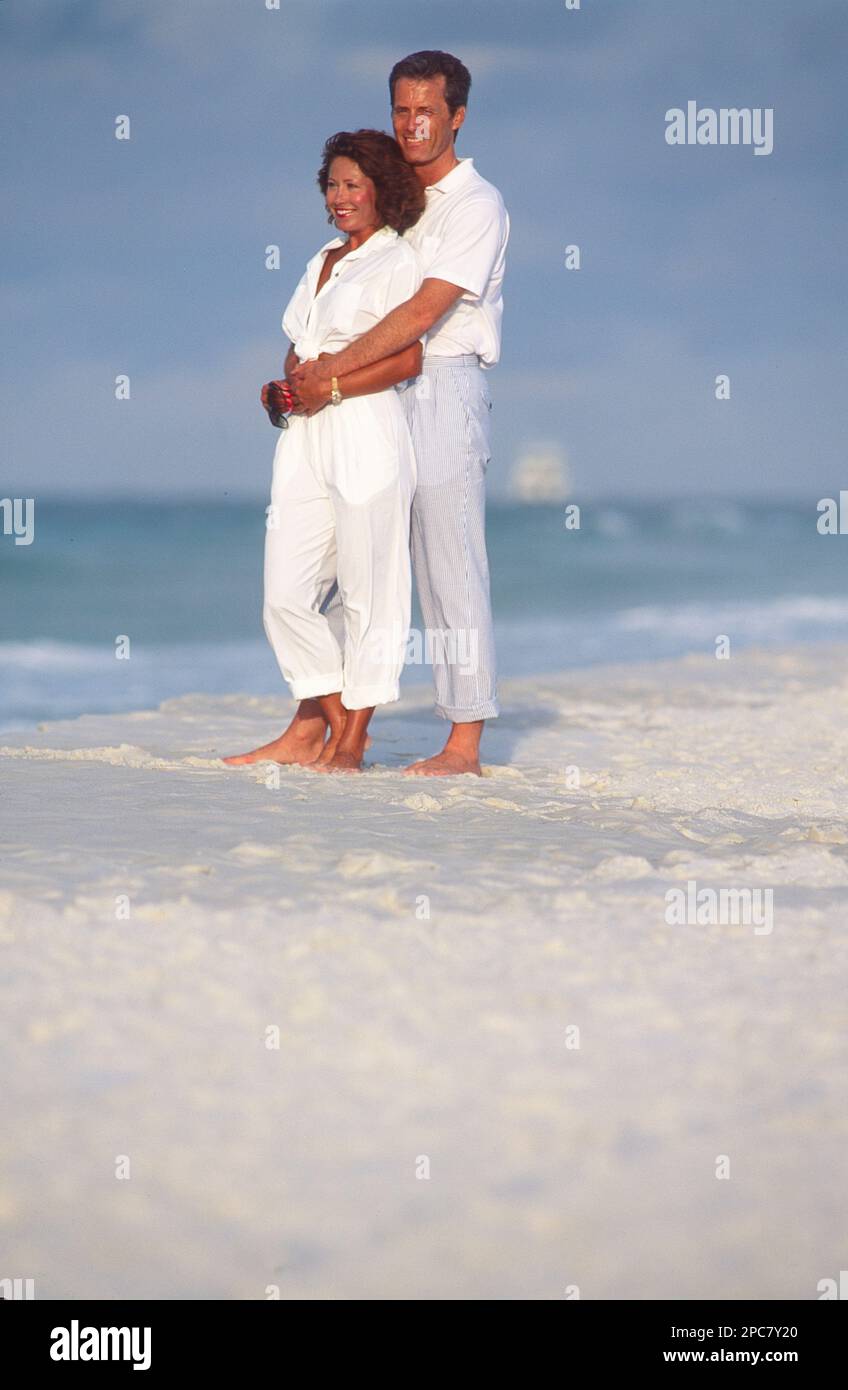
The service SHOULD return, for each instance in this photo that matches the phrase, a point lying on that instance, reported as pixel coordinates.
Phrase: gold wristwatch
(335, 393)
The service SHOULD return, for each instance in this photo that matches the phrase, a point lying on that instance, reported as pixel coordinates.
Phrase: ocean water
(183, 581)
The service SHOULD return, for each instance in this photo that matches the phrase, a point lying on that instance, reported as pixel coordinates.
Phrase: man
(461, 238)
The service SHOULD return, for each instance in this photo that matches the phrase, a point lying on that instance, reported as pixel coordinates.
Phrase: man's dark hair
(431, 62)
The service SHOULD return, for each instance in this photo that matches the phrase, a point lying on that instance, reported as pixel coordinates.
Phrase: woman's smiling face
(351, 197)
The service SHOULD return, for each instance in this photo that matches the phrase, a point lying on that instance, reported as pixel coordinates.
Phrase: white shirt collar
(454, 177)
(377, 239)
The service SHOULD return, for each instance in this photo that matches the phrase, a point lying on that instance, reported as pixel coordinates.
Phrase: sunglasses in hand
(278, 401)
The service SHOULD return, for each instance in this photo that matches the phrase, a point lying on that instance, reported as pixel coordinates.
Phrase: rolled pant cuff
(317, 685)
(364, 696)
(489, 710)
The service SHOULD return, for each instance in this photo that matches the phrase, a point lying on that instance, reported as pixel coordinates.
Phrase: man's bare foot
(460, 755)
(448, 763)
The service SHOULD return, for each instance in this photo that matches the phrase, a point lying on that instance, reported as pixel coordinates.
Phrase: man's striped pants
(447, 410)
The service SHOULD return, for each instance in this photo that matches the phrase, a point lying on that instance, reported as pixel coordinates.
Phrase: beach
(272, 1034)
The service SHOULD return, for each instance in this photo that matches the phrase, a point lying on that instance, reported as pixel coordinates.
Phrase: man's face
(422, 122)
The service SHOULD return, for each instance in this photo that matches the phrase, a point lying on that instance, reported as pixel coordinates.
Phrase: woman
(344, 475)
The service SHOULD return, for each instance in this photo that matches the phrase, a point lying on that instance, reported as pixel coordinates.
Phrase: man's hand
(311, 384)
(315, 370)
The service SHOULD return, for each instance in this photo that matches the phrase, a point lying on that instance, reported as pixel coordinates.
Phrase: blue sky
(146, 256)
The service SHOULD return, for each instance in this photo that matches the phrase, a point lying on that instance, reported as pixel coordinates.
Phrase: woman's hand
(276, 397)
(279, 397)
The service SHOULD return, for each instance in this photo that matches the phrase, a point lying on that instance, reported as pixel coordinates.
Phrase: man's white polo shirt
(461, 236)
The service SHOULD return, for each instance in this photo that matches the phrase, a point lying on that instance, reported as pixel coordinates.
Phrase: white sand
(251, 906)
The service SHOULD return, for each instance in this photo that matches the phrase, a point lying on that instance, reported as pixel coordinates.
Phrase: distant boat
(541, 474)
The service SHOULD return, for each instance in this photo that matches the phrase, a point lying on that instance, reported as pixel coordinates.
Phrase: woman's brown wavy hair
(399, 194)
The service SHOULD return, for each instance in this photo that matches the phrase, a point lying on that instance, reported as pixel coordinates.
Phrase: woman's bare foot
(280, 751)
(345, 750)
(341, 761)
(328, 752)
(305, 741)
(301, 742)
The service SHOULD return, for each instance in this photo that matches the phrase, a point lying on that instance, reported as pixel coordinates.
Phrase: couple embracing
(391, 330)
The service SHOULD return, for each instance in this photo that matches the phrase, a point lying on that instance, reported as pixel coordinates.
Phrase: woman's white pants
(340, 511)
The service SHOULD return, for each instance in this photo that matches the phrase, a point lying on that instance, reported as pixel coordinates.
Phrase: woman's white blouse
(363, 287)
